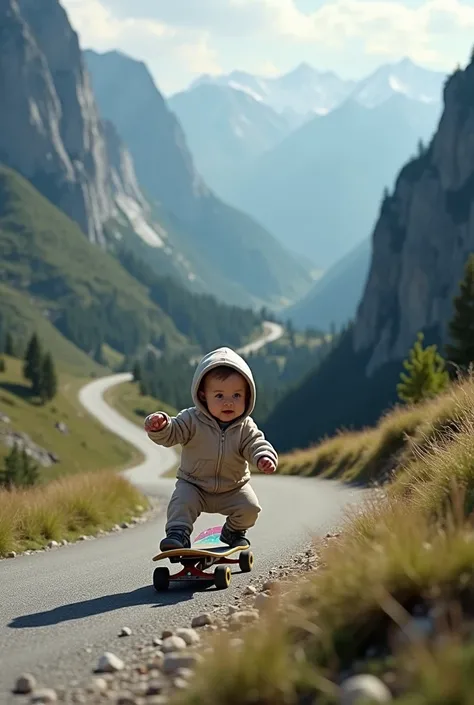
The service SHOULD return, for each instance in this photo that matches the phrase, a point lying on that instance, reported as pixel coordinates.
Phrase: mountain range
(305, 90)
(87, 252)
(291, 176)
(421, 241)
(71, 144)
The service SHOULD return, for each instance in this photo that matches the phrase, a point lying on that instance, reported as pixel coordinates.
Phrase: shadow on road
(107, 603)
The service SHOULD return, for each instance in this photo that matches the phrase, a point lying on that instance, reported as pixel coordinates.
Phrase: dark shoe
(176, 538)
(233, 538)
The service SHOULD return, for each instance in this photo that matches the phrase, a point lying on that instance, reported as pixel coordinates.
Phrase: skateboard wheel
(246, 561)
(161, 579)
(222, 576)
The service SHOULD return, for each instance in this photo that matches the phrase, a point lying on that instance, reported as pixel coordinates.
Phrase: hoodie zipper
(219, 459)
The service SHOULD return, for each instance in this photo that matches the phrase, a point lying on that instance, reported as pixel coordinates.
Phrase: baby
(219, 440)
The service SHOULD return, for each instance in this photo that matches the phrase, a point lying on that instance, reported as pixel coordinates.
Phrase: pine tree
(425, 374)
(461, 326)
(137, 373)
(11, 474)
(48, 385)
(32, 368)
(9, 348)
(28, 469)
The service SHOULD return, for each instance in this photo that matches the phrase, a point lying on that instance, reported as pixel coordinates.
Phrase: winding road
(60, 610)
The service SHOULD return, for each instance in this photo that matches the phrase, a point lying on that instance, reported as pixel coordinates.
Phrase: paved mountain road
(60, 610)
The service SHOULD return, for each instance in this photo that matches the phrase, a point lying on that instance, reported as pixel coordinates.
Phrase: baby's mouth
(228, 412)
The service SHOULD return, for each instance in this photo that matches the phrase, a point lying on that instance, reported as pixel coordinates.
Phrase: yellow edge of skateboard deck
(195, 553)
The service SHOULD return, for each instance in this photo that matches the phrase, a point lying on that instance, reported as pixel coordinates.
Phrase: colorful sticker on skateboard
(209, 537)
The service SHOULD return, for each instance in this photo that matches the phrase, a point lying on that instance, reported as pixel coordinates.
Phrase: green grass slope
(87, 294)
(88, 446)
(20, 316)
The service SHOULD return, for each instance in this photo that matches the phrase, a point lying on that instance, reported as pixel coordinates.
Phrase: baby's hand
(155, 422)
(266, 465)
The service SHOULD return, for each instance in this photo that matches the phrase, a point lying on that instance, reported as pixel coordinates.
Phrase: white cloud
(200, 36)
(170, 53)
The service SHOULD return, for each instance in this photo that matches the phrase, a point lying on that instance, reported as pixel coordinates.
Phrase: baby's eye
(237, 395)
(219, 396)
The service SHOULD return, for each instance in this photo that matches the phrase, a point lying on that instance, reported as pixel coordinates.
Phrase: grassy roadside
(87, 445)
(128, 401)
(82, 492)
(394, 593)
(66, 508)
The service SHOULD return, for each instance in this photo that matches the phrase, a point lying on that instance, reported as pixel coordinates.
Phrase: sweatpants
(188, 501)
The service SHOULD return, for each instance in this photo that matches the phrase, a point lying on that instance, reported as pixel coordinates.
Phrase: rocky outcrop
(51, 131)
(421, 241)
(422, 238)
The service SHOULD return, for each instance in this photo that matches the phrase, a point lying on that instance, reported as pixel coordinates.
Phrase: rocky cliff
(422, 238)
(50, 131)
(424, 233)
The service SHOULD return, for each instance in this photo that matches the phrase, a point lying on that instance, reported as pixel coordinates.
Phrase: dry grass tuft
(65, 509)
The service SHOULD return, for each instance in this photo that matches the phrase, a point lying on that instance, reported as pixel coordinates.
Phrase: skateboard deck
(205, 552)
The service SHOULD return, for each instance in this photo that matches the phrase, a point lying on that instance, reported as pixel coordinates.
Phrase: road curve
(62, 609)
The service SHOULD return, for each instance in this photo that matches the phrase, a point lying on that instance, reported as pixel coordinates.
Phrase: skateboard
(206, 551)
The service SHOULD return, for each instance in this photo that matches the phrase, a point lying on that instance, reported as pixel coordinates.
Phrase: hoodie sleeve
(178, 430)
(254, 445)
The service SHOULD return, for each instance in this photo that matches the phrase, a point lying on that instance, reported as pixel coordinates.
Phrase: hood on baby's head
(229, 358)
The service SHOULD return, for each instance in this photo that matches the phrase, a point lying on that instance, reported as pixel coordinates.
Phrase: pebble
(174, 661)
(238, 619)
(173, 643)
(262, 601)
(201, 621)
(166, 633)
(26, 683)
(190, 636)
(11, 554)
(99, 684)
(155, 686)
(44, 696)
(109, 663)
(250, 590)
(364, 686)
(125, 631)
(270, 586)
(53, 544)
(157, 641)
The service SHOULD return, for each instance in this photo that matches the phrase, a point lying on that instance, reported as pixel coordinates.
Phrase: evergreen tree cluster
(39, 369)
(18, 469)
(205, 321)
(92, 326)
(167, 377)
(425, 374)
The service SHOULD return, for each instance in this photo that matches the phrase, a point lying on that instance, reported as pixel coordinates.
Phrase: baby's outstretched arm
(170, 431)
(256, 449)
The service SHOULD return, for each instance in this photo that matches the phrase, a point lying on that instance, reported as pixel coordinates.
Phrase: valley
(318, 224)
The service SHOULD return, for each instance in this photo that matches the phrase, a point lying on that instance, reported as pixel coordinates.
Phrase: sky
(181, 39)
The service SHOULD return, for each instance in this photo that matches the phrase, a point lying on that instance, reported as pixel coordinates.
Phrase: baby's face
(225, 398)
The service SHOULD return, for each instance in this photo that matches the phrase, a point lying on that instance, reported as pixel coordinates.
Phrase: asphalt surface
(61, 609)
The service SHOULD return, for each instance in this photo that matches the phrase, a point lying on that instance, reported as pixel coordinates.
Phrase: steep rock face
(121, 175)
(420, 245)
(51, 131)
(423, 236)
